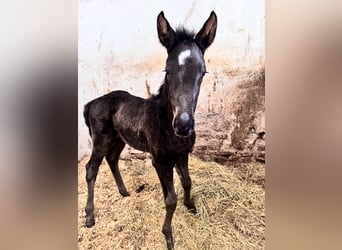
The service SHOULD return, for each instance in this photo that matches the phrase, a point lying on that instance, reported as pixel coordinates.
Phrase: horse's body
(162, 125)
(141, 123)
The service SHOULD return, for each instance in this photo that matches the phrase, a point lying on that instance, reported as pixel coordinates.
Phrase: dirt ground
(230, 203)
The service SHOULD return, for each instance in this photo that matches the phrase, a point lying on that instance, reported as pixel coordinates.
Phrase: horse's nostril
(183, 132)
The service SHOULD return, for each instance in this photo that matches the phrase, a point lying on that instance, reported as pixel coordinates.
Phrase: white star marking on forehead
(183, 55)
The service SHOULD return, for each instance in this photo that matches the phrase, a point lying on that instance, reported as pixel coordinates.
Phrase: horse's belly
(135, 140)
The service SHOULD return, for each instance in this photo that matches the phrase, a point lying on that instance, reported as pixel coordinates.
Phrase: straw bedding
(230, 203)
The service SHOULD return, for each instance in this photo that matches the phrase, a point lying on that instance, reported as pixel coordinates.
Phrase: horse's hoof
(90, 221)
(191, 208)
(124, 194)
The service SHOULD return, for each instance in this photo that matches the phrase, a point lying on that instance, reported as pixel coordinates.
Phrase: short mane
(183, 35)
(158, 94)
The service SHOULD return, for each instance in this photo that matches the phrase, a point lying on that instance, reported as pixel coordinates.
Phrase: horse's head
(185, 68)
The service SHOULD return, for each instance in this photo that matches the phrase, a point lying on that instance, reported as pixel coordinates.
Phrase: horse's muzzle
(183, 125)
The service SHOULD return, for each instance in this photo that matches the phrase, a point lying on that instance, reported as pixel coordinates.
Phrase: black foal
(162, 125)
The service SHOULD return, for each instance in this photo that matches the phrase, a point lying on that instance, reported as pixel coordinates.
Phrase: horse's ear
(166, 34)
(207, 34)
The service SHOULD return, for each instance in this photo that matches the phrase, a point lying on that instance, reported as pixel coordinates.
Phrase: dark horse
(162, 125)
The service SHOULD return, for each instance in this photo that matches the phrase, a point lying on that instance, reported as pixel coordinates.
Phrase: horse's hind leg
(113, 158)
(183, 172)
(92, 170)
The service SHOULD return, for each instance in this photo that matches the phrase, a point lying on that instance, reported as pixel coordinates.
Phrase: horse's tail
(86, 115)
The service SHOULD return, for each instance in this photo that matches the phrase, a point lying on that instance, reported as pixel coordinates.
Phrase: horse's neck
(165, 104)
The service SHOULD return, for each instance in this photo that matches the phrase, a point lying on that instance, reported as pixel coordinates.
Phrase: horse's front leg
(165, 174)
(183, 172)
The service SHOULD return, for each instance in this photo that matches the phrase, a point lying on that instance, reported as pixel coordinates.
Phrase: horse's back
(99, 112)
(108, 103)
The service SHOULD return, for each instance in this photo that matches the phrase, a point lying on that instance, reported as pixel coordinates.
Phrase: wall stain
(190, 12)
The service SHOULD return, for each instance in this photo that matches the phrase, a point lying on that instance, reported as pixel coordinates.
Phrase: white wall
(119, 47)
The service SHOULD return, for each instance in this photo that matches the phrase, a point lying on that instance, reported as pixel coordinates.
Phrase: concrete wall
(119, 49)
